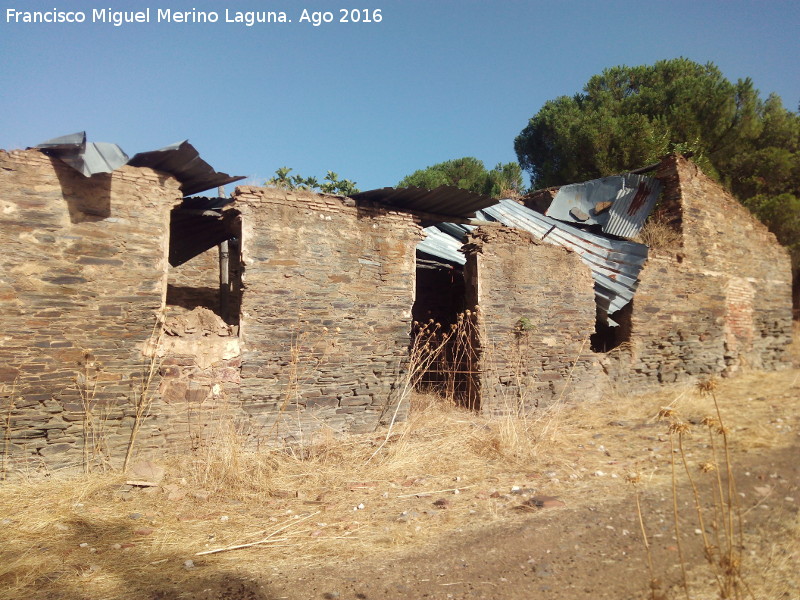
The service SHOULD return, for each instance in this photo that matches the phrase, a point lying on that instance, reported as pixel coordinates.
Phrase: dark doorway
(442, 344)
(607, 336)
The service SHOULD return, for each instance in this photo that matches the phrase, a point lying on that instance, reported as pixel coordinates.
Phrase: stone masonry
(326, 311)
(195, 283)
(323, 294)
(82, 276)
(537, 311)
(325, 318)
(719, 302)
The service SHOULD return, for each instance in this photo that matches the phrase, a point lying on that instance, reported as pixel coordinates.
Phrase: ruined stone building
(112, 303)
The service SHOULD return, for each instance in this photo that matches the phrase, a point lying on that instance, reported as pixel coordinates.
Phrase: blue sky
(372, 101)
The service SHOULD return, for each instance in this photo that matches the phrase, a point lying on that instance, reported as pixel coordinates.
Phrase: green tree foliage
(281, 179)
(331, 184)
(469, 173)
(765, 176)
(628, 117)
(334, 185)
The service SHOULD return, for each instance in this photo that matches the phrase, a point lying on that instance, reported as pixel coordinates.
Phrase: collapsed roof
(199, 224)
(614, 207)
(619, 204)
(181, 160)
(443, 201)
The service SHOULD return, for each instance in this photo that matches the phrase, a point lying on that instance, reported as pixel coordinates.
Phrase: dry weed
(659, 235)
(8, 394)
(773, 573)
(143, 392)
(744, 423)
(83, 537)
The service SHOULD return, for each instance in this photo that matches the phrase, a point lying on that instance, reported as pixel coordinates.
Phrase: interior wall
(196, 283)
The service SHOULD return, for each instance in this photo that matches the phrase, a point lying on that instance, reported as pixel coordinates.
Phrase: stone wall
(327, 288)
(199, 362)
(326, 307)
(537, 311)
(325, 324)
(83, 265)
(719, 302)
(723, 239)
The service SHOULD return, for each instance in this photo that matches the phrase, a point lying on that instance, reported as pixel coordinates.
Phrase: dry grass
(224, 494)
(659, 235)
(437, 439)
(721, 568)
(8, 399)
(78, 537)
(770, 562)
(769, 571)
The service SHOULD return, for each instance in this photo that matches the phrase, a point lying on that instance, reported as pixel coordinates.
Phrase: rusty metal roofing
(615, 264)
(619, 204)
(444, 200)
(180, 160)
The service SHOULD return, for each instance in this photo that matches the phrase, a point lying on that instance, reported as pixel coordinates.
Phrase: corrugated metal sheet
(442, 245)
(457, 231)
(183, 162)
(203, 203)
(180, 160)
(630, 210)
(444, 200)
(87, 158)
(631, 197)
(615, 264)
(199, 224)
(192, 234)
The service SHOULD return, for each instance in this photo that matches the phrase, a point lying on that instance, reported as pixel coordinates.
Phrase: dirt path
(591, 549)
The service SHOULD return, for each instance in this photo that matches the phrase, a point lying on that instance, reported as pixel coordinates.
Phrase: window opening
(205, 262)
(606, 336)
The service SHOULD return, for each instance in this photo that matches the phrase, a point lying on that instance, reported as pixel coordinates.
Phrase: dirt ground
(555, 520)
(589, 549)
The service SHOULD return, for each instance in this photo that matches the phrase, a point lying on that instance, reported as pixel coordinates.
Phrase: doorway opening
(444, 333)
